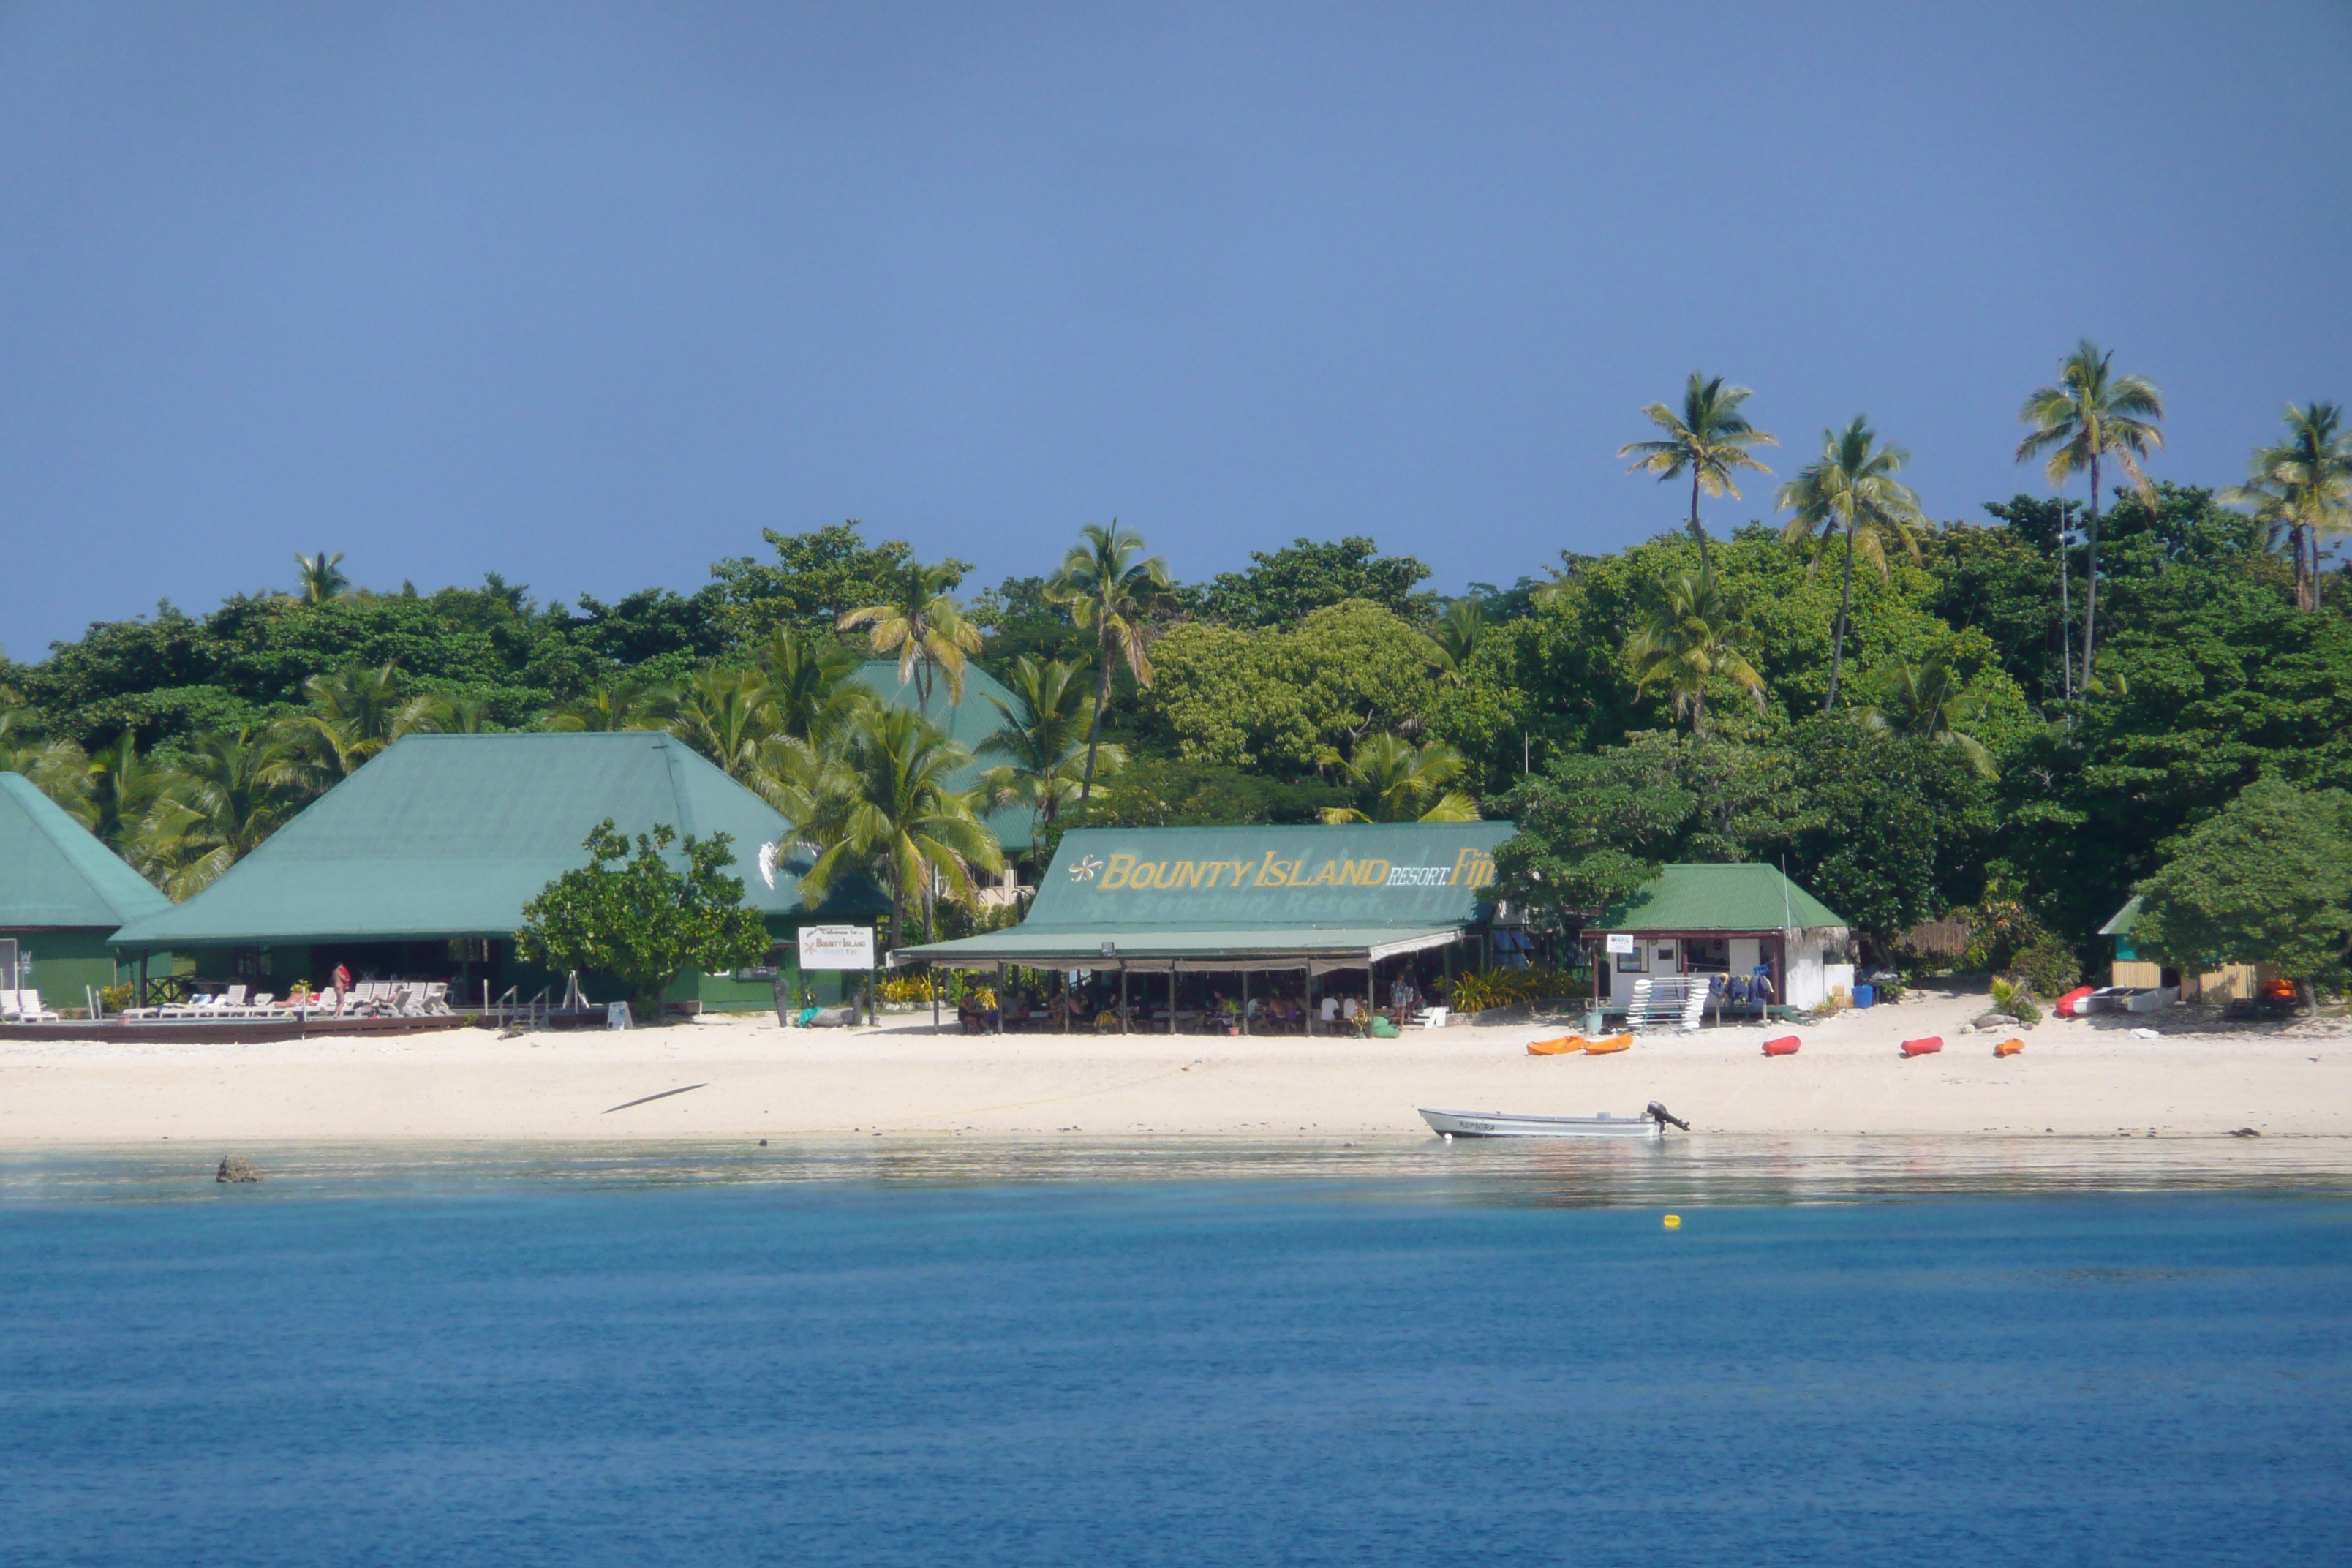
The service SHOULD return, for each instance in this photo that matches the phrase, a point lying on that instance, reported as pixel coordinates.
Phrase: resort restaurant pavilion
(1289, 906)
(417, 866)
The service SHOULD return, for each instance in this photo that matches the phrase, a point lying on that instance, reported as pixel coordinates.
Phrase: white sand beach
(758, 1081)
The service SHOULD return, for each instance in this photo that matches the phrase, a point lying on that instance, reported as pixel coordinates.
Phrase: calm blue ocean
(668, 1363)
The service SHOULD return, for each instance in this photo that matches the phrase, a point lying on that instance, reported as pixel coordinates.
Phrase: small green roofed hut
(417, 866)
(62, 894)
(1727, 920)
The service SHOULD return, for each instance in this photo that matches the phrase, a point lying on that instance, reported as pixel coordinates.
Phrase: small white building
(1735, 920)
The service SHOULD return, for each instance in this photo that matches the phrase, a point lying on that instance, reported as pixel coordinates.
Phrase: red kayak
(1926, 1047)
(2070, 1005)
(1786, 1046)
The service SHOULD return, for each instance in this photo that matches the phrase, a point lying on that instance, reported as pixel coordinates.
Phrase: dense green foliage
(642, 921)
(2268, 880)
(1953, 771)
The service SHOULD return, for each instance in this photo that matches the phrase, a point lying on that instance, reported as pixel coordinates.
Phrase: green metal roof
(2120, 923)
(1187, 891)
(969, 722)
(452, 835)
(53, 872)
(1745, 897)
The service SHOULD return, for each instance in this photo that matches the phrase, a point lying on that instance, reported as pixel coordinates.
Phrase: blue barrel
(1863, 996)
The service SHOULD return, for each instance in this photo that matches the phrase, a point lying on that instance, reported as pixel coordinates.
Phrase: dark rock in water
(2243, 1132)
(235, 1168)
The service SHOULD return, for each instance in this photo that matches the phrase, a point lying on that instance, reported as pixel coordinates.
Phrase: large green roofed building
(62, 892)
(1215, 898)
(420, 863)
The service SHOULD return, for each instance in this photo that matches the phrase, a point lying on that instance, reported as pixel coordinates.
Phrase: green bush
(2016, 999)
(2049, 966)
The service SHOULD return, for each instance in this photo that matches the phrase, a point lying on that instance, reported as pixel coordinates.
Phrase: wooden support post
(1171, 997)
(1066, 1001)
(1122, 996)
(1372, 992)
(1245, 1029)
(1310, 998)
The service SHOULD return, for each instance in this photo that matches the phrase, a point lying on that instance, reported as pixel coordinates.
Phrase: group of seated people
(981, 1011)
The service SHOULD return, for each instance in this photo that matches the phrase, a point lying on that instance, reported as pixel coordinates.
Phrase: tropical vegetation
(2017, 718)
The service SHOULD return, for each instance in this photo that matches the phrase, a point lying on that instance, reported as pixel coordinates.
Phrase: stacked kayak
(1569, 1045)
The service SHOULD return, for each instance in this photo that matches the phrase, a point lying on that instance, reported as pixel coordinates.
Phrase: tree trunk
(2091, 588)
(1094, 726)
(1845, 602)
(1698, 529)
(2302, 595)
(1698, 714)
(2065, 611)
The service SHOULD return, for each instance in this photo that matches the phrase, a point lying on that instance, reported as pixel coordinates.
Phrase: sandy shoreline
(762, 1081)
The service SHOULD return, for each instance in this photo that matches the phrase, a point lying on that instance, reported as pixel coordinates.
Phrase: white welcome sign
(1620, 942)
(836, 947)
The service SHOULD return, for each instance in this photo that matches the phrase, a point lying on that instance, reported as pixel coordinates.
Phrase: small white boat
(1498, 1124)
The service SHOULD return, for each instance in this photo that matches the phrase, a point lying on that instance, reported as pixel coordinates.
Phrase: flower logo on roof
(1086, 870)
(768, 865)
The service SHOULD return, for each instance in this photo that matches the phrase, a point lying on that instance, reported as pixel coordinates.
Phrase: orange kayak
(1924, 1047)
(1566, 1046)
(1609, 1046)
(2009, 1048)
(1786, 1046)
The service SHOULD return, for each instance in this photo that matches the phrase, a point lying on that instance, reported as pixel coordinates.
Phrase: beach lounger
(1432, 1018)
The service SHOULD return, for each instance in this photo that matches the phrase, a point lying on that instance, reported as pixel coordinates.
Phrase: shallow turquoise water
(696, 1356)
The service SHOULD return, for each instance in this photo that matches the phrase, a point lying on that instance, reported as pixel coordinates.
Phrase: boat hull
(1498, 1124)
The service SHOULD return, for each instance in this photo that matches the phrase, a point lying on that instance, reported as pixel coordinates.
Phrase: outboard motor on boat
(1659, 1114)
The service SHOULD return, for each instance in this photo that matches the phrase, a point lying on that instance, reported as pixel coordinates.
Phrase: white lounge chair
(437, 999)
(24, 1007)
(1432, 1018)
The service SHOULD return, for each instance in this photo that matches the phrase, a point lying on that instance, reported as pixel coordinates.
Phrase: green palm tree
(725, 714)
(1455, 636)
(1404, 783)
(1708, 440)
(2303, 483)
(1108, 584)
(352, 715)
(56, 767)
(219, 799)
(810, 685)
(123, 787)
(899, 815)
(1043, 739)
(321, 577)
(2090, 416)
(1931, 701)
(615, 706)
(1695, 636)
(443, 713)
(924, 627)
(1851, 494)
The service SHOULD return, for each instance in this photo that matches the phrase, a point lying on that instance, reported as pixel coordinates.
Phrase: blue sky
(588, 296)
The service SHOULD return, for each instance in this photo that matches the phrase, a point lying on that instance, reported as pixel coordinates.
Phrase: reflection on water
(1699, 1170)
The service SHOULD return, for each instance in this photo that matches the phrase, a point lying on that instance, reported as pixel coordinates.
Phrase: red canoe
(2070, 1005)
(1926, 1047)
(1786, 1046)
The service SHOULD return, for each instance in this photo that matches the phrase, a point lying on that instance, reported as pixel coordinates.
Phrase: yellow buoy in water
(1673, 1222)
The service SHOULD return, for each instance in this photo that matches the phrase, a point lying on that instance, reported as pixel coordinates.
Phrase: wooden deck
(225, 1031)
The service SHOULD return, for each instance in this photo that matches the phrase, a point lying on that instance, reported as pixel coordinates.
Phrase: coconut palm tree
(1695, 636)
(1455, 637)
(56, 767)
(1851, 495)
(321, 577)
(352, 715)
(1708, 440)
(2090, 416)
(1931, 701)
(1108, 584)
(899, 815)
(924, 627)
(725, 714)
(615, 706)
(123, 787)
(810, 685)
(229, 791)
(1044, 739)
(2305, 484)
(1404, 783)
